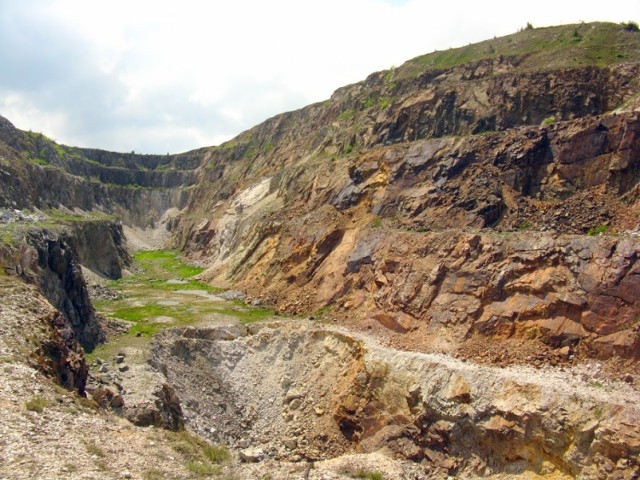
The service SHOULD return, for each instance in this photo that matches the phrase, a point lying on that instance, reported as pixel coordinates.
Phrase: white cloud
(119, 72)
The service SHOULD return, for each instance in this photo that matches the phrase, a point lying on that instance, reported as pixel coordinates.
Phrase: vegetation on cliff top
(597, 44)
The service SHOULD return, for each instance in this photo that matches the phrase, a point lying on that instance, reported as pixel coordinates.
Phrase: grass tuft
(37, 404)
(93, 448)
(201, 469)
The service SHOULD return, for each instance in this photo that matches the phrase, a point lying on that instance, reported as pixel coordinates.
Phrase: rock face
(448, 205)
(382, 240)
(34, 332)
(50, 258)
(139, 189)
(326, 392)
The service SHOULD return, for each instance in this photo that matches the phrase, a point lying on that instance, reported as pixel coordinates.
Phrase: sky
(156, 76)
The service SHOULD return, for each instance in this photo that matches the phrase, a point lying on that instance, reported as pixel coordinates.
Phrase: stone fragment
(291, 443)
(294, 394)
(251, 455)
(117, 401)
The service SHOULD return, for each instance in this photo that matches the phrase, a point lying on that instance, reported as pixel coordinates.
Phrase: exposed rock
(417, 405)
(165, 411)
(251, 455)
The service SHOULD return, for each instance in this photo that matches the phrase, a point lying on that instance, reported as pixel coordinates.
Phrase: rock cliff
(51, 258)
(447, 201)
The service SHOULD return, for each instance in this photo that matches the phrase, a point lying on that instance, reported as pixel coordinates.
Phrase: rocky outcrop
(34, 332)
(327, 392)
(381, 238)
(51, 258)
(100, 247)
(60, 279)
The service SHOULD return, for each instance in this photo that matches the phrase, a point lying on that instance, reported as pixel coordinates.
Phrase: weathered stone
(251, 455)
(291, 443)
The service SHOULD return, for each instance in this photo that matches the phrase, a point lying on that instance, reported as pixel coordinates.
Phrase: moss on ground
(163, 294)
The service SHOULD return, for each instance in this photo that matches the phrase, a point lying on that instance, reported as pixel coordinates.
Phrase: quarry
(431, 275)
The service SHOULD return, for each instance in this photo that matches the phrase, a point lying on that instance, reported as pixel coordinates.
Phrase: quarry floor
(49, 433)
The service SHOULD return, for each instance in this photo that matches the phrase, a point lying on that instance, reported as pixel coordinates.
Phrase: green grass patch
(599, 230)
(346, 115)
(201, 469)
(597, 44)
(57, 216)
(526, 225)
(246, 314)
(201, 458)
(217, 453)
(167, 262)
(135, 314)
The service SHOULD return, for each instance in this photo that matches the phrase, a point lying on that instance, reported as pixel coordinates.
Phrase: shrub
(526, 225)
(549, 121)
(631, 26)
(367, 475)
(36, 404)
(600, 229)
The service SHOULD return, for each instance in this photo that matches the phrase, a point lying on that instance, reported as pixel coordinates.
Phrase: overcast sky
(160, 76)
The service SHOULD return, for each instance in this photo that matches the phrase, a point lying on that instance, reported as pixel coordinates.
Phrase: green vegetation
(246, 315)
(596, 44)
(346, 115)
(376, 222)
(36, 404)
(153, 474)
(58, 216)
(163, 294)
(161, 261)
(268, 147)
(549, 121)
(217, 453)
(364, 474)
(388, 78)
(526, 225)
(201, 458)
(631, 26)
(93, 448)
(600, 229)
(201, 469)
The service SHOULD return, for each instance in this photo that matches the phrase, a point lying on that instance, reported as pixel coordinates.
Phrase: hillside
(443, 259)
